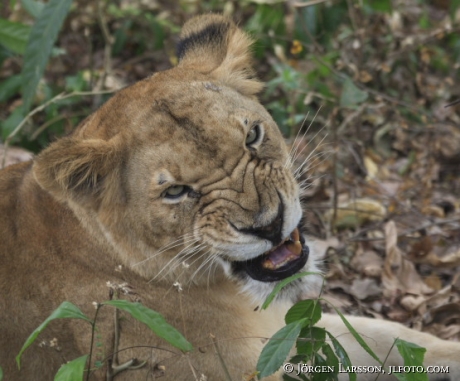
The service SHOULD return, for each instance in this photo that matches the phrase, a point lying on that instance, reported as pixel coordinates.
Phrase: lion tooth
(294, 247)
(295, 235)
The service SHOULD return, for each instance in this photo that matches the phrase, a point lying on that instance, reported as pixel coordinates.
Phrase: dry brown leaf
(371, 167)
(449, 260)
(368, 263)
(337, 300)
(364, 288)
(446, 314)
(358, 212)
(412, 302)
(398, 314)
(399, 274)
(444, 332)
(433, 281)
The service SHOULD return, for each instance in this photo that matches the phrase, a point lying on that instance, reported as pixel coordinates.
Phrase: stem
(93, 325)
(221, 360)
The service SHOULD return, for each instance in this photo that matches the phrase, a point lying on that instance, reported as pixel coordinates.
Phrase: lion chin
(179, 193)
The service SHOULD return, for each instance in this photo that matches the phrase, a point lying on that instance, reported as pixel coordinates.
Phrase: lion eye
(253, 135)
(176, 191)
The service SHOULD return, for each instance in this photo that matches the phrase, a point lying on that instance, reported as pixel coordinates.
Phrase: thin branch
(40, 108)
(108, 39)
(309, 4)
(221, 360)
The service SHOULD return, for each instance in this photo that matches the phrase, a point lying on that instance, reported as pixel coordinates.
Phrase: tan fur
(91, 208)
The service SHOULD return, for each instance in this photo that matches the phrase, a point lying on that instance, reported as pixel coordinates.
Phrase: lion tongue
(283, 254)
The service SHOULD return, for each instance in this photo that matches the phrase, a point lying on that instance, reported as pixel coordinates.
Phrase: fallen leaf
(367, 262)
(364, 288)
(399, 274)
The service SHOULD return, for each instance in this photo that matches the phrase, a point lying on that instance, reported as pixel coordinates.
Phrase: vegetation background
(372, 86)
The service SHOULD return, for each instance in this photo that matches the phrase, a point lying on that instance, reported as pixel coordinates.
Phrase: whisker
(169, 246)
(190, 248)
(315, 161)
(293, 146)
(310, 155)
(293, 157)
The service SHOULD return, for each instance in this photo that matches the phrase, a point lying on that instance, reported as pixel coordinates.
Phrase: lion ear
(83, 171)
(214, 45)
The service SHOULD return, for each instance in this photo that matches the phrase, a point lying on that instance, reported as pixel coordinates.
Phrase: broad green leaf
(1, 374)
(154, 321)
(351, 95)
(33, 8)
(358, 337)
(9, 87)
(343, 356)
(277, 349)
(310, 340)
(331, 357)
(330, 364)
(72, 371)
(289, 378)
(9, 124)
(380, 5)
(283, 283)
(66, 310)
(309, 309)
(14, 35)
(413, 356)
(42, 37)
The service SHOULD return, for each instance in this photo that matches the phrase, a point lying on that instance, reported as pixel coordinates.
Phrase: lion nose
(272, 231)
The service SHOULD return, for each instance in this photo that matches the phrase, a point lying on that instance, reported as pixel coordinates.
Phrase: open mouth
(280, 262)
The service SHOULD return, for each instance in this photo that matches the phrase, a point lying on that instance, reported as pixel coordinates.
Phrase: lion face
(185, 173)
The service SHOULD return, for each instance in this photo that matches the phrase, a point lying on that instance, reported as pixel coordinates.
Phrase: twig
(428, 225)
(36, 110)
(317, 46)
(93, 329)
(310, 3)
(108, 39)
(350, 118)
(452, 103)
(50, 122)
(221, 360)
(408, 231)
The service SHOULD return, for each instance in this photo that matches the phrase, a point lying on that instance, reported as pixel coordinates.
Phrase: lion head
(185, 174)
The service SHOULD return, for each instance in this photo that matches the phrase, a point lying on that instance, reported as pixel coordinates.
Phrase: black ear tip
(210, 34)
(207, 31)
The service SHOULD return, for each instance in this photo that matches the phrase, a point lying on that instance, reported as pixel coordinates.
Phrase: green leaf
(14, 35)
(413, 356)
(154, 321)
(72, 371)
(351, 95)
(277, 349)
(380, 5)
(309, 309)
(343, 356)
(9, 87)
(42, 37)
(358, 337)
(310, 340)
(32, 7)
(1, 374)
(331, 358)
(283, 283)
(9, 124)
(66, 310)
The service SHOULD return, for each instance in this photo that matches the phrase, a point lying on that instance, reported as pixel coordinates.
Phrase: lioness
(178, 191)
